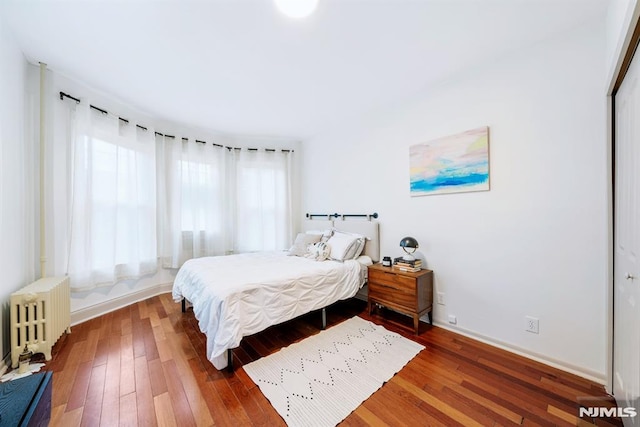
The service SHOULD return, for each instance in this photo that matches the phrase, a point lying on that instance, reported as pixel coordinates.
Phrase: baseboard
(598, 377)
(97, 310)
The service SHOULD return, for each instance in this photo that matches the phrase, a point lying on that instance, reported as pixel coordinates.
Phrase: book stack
(402, 264)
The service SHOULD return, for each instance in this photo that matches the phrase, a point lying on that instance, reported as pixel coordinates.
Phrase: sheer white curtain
(263, 205)
(112, 230)
(214, 201)
(194, 201)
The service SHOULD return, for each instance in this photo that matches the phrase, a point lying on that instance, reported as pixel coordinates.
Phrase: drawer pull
(387, 286)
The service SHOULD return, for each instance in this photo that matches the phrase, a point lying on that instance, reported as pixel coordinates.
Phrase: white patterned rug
(322, 379)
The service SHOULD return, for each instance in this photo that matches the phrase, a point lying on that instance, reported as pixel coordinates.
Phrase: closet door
(626, 336)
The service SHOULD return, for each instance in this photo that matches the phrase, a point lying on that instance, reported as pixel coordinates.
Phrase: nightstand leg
(416, 323)
(430, 319)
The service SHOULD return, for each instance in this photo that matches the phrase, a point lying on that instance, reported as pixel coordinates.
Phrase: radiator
(40, 314)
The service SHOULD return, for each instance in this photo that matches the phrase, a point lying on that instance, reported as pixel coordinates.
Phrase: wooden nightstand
(409, 293)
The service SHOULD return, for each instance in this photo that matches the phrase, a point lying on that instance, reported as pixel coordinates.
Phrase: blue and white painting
(453, 164)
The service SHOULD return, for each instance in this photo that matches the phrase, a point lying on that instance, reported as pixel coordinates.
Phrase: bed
(239, 295)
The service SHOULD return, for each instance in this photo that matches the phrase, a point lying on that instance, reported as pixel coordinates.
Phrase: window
(200, 183)
(113, 202)
(193, 203)
(263, 201)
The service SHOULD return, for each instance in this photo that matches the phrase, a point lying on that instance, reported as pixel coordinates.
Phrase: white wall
(16, 179)
(536, 244)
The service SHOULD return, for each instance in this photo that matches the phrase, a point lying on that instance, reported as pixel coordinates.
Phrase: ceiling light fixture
(297, 8)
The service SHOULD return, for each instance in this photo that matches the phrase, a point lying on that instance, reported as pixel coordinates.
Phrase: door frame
(626, 52)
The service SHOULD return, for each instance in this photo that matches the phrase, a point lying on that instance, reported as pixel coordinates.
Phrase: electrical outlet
(532, 325)
(453, 319)
(440, 298)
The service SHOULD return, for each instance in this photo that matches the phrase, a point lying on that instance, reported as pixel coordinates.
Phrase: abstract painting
(453, 164)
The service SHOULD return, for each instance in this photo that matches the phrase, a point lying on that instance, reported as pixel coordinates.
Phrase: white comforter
(238, 295)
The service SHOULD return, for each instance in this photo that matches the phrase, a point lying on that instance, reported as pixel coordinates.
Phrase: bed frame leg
(184, 305)
(324, 318)
(229, 360)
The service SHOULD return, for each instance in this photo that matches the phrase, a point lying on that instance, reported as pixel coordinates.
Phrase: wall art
(452, 164)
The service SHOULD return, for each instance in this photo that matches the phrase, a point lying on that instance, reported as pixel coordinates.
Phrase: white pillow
(302, 242)
(356, 249)
(343, 246)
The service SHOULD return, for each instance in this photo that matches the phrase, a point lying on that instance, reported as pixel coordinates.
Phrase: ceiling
(240, 67)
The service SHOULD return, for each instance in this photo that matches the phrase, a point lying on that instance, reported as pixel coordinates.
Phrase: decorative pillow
(302, 242)
(319, 251)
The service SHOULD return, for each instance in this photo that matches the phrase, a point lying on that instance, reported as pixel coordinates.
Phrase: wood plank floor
(146, 365)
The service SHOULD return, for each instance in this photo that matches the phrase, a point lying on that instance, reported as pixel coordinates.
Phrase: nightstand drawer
(393, 280)
(400, 295)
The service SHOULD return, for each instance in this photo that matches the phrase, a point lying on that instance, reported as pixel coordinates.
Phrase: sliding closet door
(626, 351)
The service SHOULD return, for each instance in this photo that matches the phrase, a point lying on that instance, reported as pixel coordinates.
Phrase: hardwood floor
(146, 365)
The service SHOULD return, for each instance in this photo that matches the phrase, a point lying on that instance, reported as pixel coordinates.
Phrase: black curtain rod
(336, 215)
(64, 95)
(103, 111)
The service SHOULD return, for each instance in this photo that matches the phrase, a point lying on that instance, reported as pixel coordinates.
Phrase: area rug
(322, 379)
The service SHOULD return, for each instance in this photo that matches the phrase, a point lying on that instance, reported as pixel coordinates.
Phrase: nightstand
(408, 293)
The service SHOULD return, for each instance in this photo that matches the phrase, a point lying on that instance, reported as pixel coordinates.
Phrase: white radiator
(40, 314)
